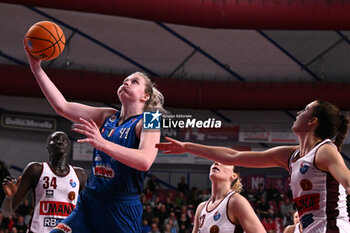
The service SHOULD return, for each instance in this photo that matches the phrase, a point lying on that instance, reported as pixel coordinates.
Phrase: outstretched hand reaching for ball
(172, 146)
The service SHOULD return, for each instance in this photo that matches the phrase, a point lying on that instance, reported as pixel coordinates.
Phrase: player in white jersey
(296, 228)
(320, 197)
(55, 185)
(226, 211)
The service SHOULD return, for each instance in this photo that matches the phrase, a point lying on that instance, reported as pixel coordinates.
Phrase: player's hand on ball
(33, 61)
(172, 146)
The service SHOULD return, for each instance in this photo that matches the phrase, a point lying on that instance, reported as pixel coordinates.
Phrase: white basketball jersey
(216, 220)
(55, 198)
(296, 229)
(319, 198)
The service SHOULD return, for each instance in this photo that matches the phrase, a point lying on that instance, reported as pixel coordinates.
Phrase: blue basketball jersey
(109, 176)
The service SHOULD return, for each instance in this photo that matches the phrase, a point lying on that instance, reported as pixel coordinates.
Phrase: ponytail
(343, 126)
(237, 185)
(156, 101)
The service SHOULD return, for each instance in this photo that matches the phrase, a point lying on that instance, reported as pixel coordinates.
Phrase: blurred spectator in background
(262, 209)
(183, 186)
(269, 224)
(261, 192)
(172, 221)
(24, 208)
(180, 200)
(145, 228)
(169, 204)
(205, 195)
(154, 228)
(20, 225)
(193, 197)
(184, 224)
(287, 210)
(153, 184)
(148, 214)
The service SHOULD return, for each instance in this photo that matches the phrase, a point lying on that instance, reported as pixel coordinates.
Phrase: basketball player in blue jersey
(123, 152)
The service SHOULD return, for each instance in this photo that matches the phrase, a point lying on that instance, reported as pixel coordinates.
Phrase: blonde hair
(237, 185)
(156, 98)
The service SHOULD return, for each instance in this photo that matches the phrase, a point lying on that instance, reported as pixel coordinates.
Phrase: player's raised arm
(70, 110)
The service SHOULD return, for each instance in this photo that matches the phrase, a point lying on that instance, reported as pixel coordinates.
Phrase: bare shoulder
(327, 150)
(289, 229)
(196, 218)
(238, 202)
(240, 212)
(82, 176)
(32, 173)
(109, 112)
(327, 155)
(80, 171)
(105, 113)
(33, 168)
(237, 199)
(201, 205)
(200, 208)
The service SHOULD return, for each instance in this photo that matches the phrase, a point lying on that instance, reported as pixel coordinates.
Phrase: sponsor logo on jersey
(52, 222)
(56, 208)
(201, 220)
(71, 196)
(306, 185)
(49, 193)
(217, 215)
(307, 203)
(64, 227)
(72, 183)
(303, 168)
(306, 220)
(214, 229)
(104, 171)
(98, 158)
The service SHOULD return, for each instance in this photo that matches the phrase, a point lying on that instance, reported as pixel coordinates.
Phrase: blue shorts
(96, 213)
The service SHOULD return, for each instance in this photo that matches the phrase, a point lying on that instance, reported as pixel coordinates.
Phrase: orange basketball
(45, 40)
